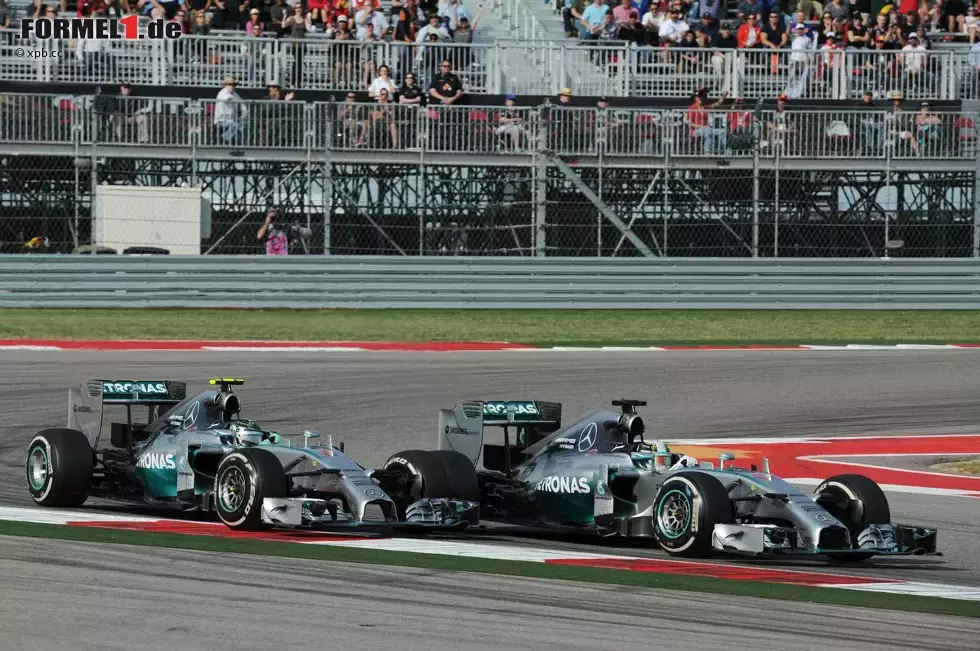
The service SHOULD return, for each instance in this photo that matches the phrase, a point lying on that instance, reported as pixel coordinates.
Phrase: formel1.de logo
(123, 29)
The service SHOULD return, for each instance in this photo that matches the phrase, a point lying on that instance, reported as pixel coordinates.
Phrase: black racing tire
(244, 478)
(870, 507)
(59, 467)
(673, 508)
(436, 473)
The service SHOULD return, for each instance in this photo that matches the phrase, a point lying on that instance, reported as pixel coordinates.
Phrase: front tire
(434, 474)
(59, 468)
(685, 511)
(857, 501)
(243, 480)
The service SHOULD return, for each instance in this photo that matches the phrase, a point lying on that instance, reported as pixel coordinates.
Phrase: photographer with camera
(280, 236)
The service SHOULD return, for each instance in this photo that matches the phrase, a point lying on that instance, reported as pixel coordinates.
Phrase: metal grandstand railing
(521, 66)
(278, 125)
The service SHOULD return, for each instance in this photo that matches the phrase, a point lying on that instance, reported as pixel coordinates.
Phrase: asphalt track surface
(380, 403)
(120, 597)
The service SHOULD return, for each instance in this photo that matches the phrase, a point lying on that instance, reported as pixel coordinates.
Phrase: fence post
(976, 201)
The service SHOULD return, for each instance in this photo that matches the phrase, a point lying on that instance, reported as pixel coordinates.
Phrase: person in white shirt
(975, 58)
(369, 15)
(229, 111)
(672, 30)
(801, 45)
(383, 80)
(914, 55)
(653, 19)
(434, 26)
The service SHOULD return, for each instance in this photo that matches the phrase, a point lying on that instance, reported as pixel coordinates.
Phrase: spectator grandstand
(677, 118)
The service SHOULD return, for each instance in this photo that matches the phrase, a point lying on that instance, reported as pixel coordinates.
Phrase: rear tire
(870, 506)
(243, 480)
(673, 510)
(59, 467)
(433, 474)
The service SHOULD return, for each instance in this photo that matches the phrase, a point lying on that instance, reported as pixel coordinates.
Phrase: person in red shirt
(750, 34)
(699, 122)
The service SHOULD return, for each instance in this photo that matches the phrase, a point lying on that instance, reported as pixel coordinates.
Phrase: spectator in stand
(688, 56)
(572, 16)
(446, 88)
(431, 57)
(746, 8)
(880, 28)
(826, 27)
(453, 11)
(382, 82)
(672, 30)
(410, 92)
(255, 26)
(351, 118)
(953, 12)
(707, 30)
(740, 122)
(405, 33)
(713, 139)
(277, 15)
(274, 93)
(722, 55)
(621, 13)
(230, 112)
(858, 36)
(359, 5)
(809, 9)
(465, 31)
(369, 50)
(781, 127)
(201, 25)
(510, 123)
(838, 9)
(382, 117)
(273, 234)
(368, 16)
(652, 20)
(871, 122)
(970, 25)
(317, 10)
(750, 34)
(6, 15)
(774, 35)
(632, 32)
(913, 59)
(592, 19)
(434, 27)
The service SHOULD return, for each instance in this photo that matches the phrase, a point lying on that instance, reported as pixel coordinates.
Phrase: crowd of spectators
(769, 23)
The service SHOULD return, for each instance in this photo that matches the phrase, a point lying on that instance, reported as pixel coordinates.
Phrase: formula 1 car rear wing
(86, 402)
(461, 428)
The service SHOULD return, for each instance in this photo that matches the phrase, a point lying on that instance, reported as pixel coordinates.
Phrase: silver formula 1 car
(197, 453)
(598, 474)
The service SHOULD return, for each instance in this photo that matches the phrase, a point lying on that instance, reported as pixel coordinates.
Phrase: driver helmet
(642, 455)
(246, 436)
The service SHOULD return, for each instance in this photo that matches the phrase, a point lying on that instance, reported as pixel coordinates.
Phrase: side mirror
(310, 434)
(723, 457)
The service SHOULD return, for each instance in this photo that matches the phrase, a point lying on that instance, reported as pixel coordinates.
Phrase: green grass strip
(541, 327)
(508, 568)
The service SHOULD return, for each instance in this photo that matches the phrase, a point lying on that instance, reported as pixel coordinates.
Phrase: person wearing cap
(722, 56)
(565, 96)
(672, 30)
(858, 35)
(914, 57)
(740, 121)
(274, 93)
(436, 27)
(871, 121)
(230, 112)
(632, 32)
(707, 29)
(255, 26)
(799, 59)
(510, 123)
(780, 125)
(410, 91)
(368, 16)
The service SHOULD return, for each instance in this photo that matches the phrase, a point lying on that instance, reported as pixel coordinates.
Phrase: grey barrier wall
(490, 283)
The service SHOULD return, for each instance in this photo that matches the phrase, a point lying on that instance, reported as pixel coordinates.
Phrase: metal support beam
(603, 209)
(540, 193)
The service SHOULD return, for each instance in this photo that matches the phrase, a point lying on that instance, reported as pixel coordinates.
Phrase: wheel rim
(674, 514)
(37, 468)
(231, 489)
